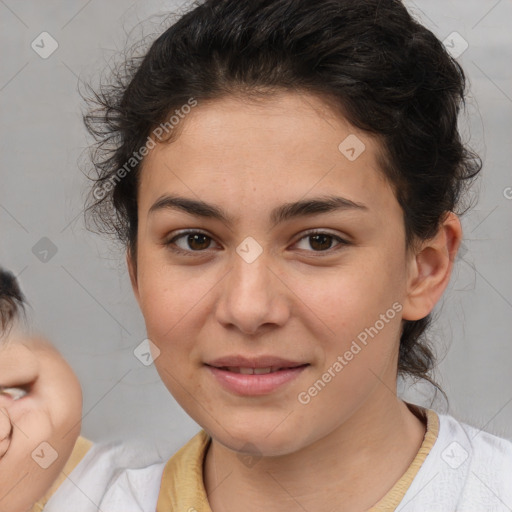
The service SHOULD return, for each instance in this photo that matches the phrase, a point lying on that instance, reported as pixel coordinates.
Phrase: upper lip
(239, 361)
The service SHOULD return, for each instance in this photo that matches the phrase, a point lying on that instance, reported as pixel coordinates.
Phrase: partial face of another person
(39, 427)
(269, 284)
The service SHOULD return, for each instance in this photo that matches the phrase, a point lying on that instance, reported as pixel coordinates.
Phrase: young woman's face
(259, 289)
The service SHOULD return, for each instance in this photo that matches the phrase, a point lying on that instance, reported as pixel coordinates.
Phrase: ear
(430, 269)
(132, 270)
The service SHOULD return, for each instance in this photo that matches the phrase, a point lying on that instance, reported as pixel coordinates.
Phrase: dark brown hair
(388, 75)
(12, 300)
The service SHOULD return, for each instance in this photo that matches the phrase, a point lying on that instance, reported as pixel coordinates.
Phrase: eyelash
(170, 244)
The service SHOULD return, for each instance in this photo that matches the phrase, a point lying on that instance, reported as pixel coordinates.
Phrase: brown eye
(190, 241)
(321, 241)
(198, 242)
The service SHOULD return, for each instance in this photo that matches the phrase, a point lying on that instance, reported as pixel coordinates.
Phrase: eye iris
(194, 238)
(323, 238)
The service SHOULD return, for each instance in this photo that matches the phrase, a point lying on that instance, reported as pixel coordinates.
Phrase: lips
(254, 376)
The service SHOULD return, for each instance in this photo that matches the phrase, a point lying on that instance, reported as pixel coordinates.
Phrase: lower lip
(255, 384)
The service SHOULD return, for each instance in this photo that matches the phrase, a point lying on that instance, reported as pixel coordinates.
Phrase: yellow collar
(182, 486)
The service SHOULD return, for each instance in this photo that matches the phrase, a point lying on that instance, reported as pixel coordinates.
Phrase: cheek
(354, 312)
(357, 344)
(163, 290)
(173, 302)
(351, 297)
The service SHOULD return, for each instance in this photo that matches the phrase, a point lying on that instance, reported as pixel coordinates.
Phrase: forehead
(284, 146)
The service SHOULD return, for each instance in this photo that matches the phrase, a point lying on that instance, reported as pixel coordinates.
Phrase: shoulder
(489, 464)
(479, 447)
(111, 473)
(467, 469)
(82, 446)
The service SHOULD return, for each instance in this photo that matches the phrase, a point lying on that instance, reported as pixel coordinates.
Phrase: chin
(256, 437)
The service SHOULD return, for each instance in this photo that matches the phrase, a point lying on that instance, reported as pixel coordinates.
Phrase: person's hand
(38, 429)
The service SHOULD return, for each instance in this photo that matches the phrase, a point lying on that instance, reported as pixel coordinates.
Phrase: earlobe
(430, 269)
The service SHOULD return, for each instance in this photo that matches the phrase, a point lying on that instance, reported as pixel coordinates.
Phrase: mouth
(257, 376)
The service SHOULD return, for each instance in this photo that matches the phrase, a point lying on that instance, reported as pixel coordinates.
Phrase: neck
(356, 464)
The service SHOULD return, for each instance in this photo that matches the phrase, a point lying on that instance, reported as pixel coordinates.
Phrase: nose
(253, 296)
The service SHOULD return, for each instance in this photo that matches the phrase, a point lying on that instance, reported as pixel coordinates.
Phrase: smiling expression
(325, 243)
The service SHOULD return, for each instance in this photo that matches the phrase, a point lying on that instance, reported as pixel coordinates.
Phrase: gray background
(81, 296)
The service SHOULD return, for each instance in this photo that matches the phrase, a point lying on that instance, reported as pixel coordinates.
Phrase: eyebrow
(280, 214)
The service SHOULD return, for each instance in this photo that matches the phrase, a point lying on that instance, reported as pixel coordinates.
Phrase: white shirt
(466, 470)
